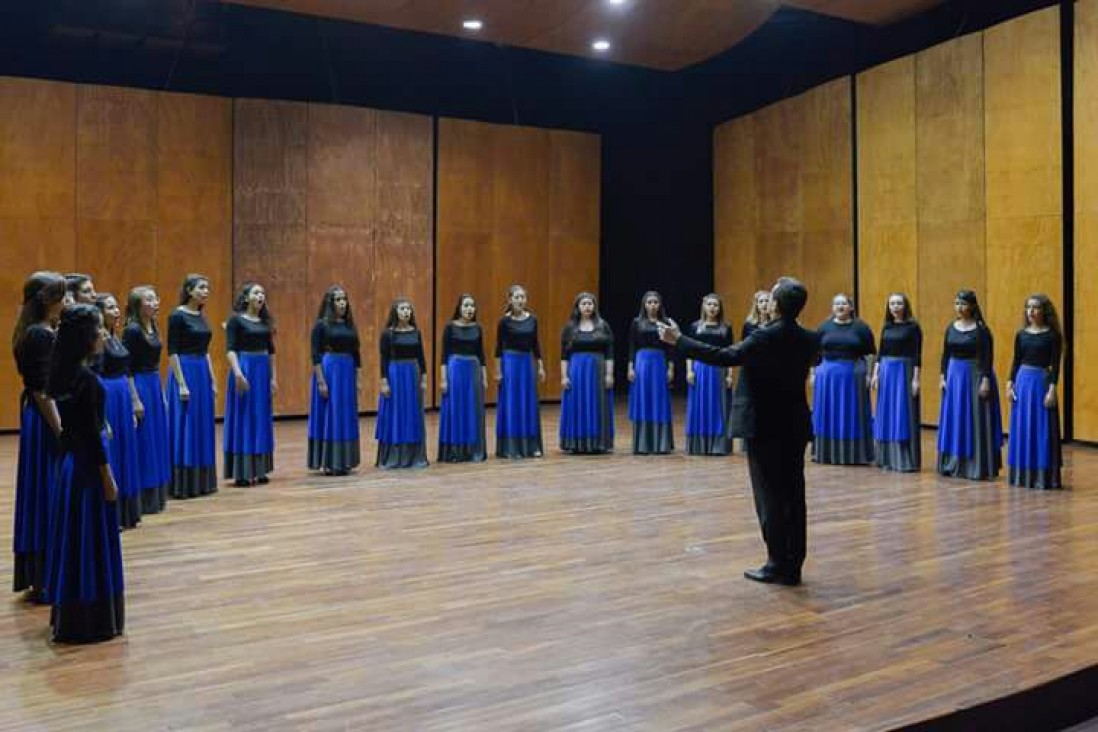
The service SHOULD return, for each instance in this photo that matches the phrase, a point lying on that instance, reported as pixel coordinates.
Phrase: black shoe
(241, 483)
(263, 480)
(769, 575)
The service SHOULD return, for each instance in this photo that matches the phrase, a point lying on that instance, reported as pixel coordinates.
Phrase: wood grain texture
(517, 205)
(735, 216)
(587, 594)
(1086, 220)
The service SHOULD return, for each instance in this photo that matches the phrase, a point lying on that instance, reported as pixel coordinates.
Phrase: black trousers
(777, 479)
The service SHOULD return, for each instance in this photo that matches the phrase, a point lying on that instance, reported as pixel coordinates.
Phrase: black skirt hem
(193, 482)
(93, 622)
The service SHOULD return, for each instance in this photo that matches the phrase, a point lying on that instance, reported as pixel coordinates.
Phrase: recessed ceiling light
(601, 45)
(616, 2)
(472, 24)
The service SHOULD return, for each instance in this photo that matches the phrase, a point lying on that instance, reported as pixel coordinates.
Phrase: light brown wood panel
(735, 215)
(1024, 173)
(888, 259)
(951, 199)
(511, 200)
(37, 201)
(1086, 220)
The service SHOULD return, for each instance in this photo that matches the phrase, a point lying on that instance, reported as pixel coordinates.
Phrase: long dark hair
(189, 283)
(134, 302)
(969, 297)
(74, 281)
(461, 301)
(1052, 320)
(909, 314)
(394, 320)
(575, 317)
(101, 305)
(76, 338)
(661, 314)
(40, 291)
(327, 311)
(720, 312)
(240, 304)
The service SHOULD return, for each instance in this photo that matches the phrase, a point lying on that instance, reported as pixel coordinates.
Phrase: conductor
(773, 414)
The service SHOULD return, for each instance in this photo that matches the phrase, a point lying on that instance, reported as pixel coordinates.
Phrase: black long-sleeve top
(748, 329)
(335, 337)
(846, 341)
(82, 420)
(600, 340)
(188, 334)
(463, 340)
(518, 335)
(1037, 349)
(904, 340)
(32, 358)
(243, 335)
(974, 345)
(144, 349)
(114, 361)
(400, 345)
(719, 335)
(643, 333)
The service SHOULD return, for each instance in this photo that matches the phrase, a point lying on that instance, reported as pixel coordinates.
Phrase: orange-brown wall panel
(1086, 220)
(736, 206)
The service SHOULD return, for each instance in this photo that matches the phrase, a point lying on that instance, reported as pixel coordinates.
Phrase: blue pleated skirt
(122, 448)
(400, 432)
(650, 404)
(249, 422)
(707, 406)
(461, 415)
(191, 430)
(587, 407)
(334, 444)
(33, 489)
(841, 419)
(970, 429)
(1033, 449)
(896, 428)
(518, 413)
(154, 459)
(85, 585)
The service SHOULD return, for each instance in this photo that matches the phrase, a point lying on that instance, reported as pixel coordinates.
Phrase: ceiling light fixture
(601, 45)
(472, 24)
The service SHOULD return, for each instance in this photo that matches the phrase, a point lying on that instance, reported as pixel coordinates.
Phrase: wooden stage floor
(569, 593)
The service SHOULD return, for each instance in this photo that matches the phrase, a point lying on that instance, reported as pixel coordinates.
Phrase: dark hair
(134, 302)
(461, 301)
(189, 283)
(40, 291)
(969, 297)
(720, 311)
(661, 314)
(101, 305)
(394, 320)
(754, 315)
(790, 294)
(74, 281)
(909, 314)
(849, 301)
(240, 304)
(77, 335)
(327, 311)
(511, 293)
(575, 317)
(1052, 320)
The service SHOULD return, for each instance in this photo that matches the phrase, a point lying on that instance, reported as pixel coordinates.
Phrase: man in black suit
(773, 413)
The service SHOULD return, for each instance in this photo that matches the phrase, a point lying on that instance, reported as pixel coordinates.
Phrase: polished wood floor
(599, 593)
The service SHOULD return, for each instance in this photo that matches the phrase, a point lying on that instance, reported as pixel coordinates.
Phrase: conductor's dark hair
(791, 295)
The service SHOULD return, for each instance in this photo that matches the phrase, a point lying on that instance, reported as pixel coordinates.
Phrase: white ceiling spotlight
(616, 2)
(601, 45)
(472, 24)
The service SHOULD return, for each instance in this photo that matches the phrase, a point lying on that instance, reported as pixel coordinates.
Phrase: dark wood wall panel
(517, 205)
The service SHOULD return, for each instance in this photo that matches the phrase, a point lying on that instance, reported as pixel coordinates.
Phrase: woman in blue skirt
(1033, 449)
(896, 428)
(970, 426)
(191, 392)
(463, 381)
(84, 584)
(337, 378)
(39, 424)
(249, 409)
(650, 375)
(587, 380)
(142, 339)
(400, 432)
(113, 368)
(709, 387)
(519, 368)
(841, 418)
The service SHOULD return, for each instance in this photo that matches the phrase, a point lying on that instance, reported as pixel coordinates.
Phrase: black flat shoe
(241, 483)
(264, 480)
(768, 575)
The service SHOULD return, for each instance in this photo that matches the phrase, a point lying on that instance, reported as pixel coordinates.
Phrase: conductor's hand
(669, 331)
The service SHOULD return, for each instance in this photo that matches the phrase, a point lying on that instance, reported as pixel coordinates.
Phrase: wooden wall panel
(37, 201)
(736, 215)
(951, 198)
(1024, 172)
(888, 259)
(1086, 220)
(517, 205)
